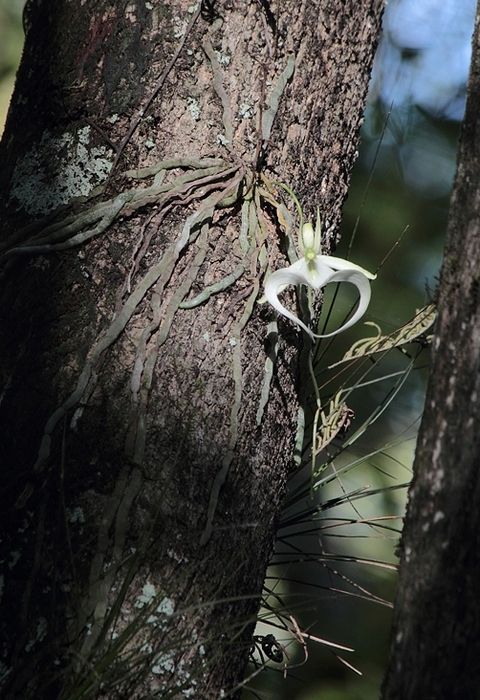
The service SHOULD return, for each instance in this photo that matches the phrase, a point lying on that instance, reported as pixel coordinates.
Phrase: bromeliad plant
(316, 271)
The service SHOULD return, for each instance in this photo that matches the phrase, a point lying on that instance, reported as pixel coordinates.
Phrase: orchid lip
(316, 271)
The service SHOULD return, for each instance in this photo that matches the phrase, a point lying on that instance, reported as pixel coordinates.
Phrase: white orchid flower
(316, 271)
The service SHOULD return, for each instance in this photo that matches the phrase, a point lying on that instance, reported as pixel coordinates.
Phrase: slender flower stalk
(316, 271)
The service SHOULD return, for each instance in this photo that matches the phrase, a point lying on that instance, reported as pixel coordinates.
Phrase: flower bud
(308, 236)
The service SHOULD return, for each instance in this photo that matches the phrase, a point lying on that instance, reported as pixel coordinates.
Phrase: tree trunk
(436, 632)
(148, 432)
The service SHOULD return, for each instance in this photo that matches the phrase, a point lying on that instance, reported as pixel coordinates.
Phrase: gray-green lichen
(246, 111)
(146, 596)
(57, 169)
(193, 108)
(40, 634)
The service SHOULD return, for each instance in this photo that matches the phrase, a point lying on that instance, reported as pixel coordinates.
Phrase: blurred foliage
(424, 55)
(11, 43)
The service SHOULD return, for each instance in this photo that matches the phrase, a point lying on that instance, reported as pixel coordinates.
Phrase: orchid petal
(341, 264)
(361, 282)
(318, 232)
(318, 273)
(277, 281)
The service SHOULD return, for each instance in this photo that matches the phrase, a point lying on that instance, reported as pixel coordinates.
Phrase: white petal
(317, 274)
(277, 281)
(341, 264)
(298, 273)
(363, 285)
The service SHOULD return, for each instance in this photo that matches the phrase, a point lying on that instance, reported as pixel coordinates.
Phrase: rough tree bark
(436, 631)
(146, 444)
